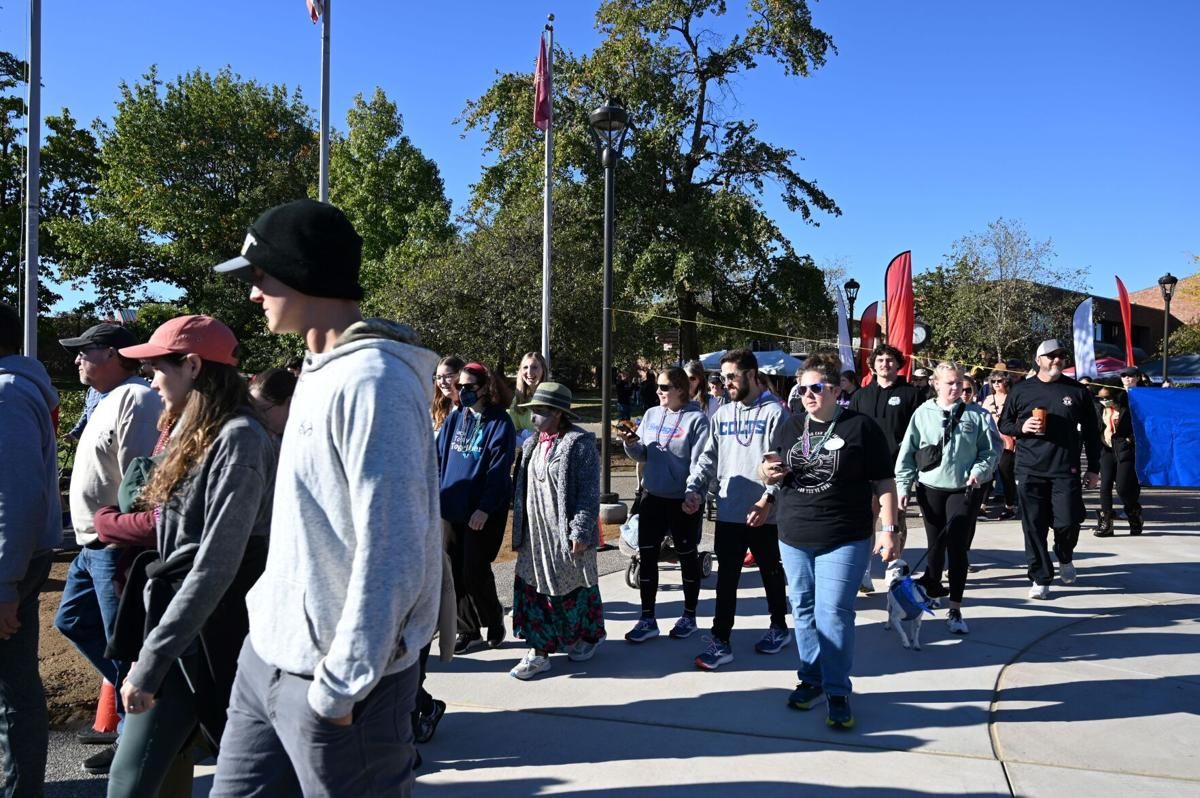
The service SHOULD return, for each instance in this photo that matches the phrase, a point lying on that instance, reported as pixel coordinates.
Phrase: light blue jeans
(822, 586)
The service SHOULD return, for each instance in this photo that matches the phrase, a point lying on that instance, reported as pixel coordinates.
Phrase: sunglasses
(462, 386)
(732, 376)
(815, 389)
(665, 386)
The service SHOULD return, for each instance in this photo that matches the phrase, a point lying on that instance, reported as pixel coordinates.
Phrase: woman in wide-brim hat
(556, 601)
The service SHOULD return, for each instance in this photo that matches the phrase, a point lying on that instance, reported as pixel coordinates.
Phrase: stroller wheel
(706, 561)
(633, 573)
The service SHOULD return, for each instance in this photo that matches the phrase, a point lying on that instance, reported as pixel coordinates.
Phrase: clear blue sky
(1078, 118)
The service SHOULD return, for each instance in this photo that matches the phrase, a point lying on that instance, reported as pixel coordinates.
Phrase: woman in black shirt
(828, 462)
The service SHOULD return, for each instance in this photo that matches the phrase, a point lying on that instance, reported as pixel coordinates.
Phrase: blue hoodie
(669, 443)
(475, 460)
(30, 506)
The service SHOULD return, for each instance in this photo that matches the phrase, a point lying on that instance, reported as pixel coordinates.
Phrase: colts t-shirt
(825, 500)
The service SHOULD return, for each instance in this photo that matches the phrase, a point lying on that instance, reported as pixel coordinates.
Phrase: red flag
(868, 336)
(315, 9)
(899, 298)
(541, 88)
(1126, 320)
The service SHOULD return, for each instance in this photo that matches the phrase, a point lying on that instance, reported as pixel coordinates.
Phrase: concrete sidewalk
(1116, 656)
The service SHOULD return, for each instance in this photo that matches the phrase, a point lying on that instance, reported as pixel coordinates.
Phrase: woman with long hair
(698, 388)
(1000, 383)
(948, 485)
(445, 390)
(212, 496)
(1116, 463)
(847, 385)
(669, 441)
(271, 392)
(556, 589)
(530, 374)
(475, 457)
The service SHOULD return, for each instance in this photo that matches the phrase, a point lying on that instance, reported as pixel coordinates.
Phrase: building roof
(1185, 303)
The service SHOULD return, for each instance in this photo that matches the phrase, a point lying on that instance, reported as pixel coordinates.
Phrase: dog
(902, 612)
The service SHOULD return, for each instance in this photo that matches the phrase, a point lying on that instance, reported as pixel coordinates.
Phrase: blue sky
(1078, 118)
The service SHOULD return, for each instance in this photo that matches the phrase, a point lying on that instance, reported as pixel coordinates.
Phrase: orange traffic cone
(106, 709)
(600, 535)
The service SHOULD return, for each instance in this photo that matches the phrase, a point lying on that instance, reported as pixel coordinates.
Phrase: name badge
(894, 401)
(833, 444)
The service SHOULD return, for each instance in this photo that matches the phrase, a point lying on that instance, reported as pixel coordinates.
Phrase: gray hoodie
(738, 437)
(669, 443)
(30, 507)
(353, 578)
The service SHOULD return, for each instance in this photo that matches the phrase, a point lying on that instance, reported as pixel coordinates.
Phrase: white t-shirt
(123, 426)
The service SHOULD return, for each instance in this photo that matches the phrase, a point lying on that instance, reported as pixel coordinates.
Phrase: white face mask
(545, 422)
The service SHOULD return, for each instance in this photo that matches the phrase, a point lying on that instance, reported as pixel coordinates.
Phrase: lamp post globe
(1166, 284)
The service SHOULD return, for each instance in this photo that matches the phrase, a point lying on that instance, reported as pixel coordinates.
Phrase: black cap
(103, 334)
(308, 245)
(1131, 371)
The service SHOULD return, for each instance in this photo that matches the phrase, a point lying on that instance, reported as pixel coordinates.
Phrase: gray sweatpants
(275, 745)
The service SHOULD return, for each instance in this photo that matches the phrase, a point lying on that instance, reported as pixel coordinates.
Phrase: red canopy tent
(1105, 367)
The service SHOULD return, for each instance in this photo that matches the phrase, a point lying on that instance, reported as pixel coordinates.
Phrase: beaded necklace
(663, 422)
(737, 422)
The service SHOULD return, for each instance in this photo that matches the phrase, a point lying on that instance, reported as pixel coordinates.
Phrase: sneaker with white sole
(717, 653)
(645, 629)
(955, 621)
(1040, 592)
(866, 585)
(530, 666)
(582, 651)
(685, 627)
(1066, 572)
(773, 641)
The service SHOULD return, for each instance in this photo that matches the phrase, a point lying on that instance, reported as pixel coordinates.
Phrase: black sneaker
(90, 736)
(427, 724)
(465, 642)
(840, 716)
(98, 764)
(805, 696)
(496, 636)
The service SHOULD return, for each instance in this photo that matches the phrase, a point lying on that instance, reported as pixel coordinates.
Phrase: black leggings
(1004, 473)
(1116, 468)
(657, 517)
(471, 554)
(949, 527)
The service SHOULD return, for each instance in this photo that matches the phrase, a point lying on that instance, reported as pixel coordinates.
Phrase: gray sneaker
(773, 641)
(1066, 572)
(582, 651)
(531, 665)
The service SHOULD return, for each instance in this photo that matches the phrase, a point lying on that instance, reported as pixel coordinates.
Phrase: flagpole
(33, 187)
(324, 179)
(547, 201)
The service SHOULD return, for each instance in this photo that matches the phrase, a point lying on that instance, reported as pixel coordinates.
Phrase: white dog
(896, 571)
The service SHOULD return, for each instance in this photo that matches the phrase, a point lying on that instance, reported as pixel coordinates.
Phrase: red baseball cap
(189, 335)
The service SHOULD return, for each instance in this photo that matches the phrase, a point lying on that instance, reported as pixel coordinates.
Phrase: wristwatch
(770, 497)
(888, 528)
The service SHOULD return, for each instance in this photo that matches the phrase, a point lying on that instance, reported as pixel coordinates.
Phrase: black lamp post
(609, 124)
(1166, 284)
(851, 288)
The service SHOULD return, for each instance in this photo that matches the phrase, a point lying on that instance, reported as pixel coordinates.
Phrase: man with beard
(1047, 415)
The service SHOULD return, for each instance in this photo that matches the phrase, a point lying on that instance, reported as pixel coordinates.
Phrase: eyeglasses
(665, 386)
(732, 376)
(815, 389)
(445, 377)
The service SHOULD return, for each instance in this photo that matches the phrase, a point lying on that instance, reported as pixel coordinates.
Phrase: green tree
(69, 169)
(185, 166)
(692, 234)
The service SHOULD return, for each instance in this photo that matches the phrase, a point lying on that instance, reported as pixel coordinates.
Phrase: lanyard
(806, 446)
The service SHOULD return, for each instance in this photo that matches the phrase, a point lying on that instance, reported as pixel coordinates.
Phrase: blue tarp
(1166, 428)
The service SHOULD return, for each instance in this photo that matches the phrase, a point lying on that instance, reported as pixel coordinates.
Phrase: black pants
(471, 554)
(658, 516)
(1116, 468)
(1049, 503)
(1004, 473)
(24, 722)
(155, 755)
(949, 517)
(732, 540)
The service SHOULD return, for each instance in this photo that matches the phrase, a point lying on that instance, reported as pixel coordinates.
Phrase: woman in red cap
(211, 496)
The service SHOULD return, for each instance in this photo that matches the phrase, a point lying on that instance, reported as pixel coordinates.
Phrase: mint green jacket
(971, 449)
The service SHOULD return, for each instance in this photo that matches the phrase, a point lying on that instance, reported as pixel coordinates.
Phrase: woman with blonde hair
(530, 374)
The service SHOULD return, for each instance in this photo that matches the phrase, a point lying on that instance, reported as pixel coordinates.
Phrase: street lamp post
(1166, 284)
(608, 124)
(851, 287)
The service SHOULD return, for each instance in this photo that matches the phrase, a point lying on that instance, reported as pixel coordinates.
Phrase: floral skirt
(555, 623)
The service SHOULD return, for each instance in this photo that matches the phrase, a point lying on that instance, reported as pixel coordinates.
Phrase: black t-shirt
(825, 500)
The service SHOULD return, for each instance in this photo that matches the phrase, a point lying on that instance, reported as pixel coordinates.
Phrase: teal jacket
(971, 449)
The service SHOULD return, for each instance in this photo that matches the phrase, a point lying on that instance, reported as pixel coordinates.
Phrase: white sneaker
(582, 651)
(1040, 592)
(866, 585)
(955, 621)
(1066, 572)
(530, 666)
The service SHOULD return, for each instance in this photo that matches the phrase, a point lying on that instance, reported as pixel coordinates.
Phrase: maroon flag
(541, 88)
(899, 298)
(315, 9)
(1126, 320)
(868, 336)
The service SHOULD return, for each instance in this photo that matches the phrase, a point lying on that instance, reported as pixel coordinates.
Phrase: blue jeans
(24, 722)
(88, 612)
(822, 586)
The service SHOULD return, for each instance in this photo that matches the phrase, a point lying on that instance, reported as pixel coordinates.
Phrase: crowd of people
(264, 564)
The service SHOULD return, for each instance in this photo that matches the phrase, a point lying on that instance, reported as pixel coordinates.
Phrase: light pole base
(612, 511)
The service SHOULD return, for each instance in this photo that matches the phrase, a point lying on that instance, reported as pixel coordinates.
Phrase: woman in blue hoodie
(475, 456)
(669, 442)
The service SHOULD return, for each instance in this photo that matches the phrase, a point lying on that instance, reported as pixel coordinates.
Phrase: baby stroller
(629, 547)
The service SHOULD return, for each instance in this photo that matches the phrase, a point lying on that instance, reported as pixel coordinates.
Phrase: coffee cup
(1040, 414)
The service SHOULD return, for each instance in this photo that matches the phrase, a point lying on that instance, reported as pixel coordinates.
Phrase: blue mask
(468, 397)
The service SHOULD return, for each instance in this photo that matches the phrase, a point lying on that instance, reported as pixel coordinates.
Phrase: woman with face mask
(556, 593)
(475, 456)
(1116, 463)
(211, 496)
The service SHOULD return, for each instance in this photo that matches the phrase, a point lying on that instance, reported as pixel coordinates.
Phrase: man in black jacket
(891, 402)
(1047, 462)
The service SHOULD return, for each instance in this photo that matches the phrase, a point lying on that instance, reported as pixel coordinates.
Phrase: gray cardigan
(578, 500)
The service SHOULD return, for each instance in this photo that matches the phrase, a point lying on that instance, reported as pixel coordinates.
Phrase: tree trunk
(689, 335)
